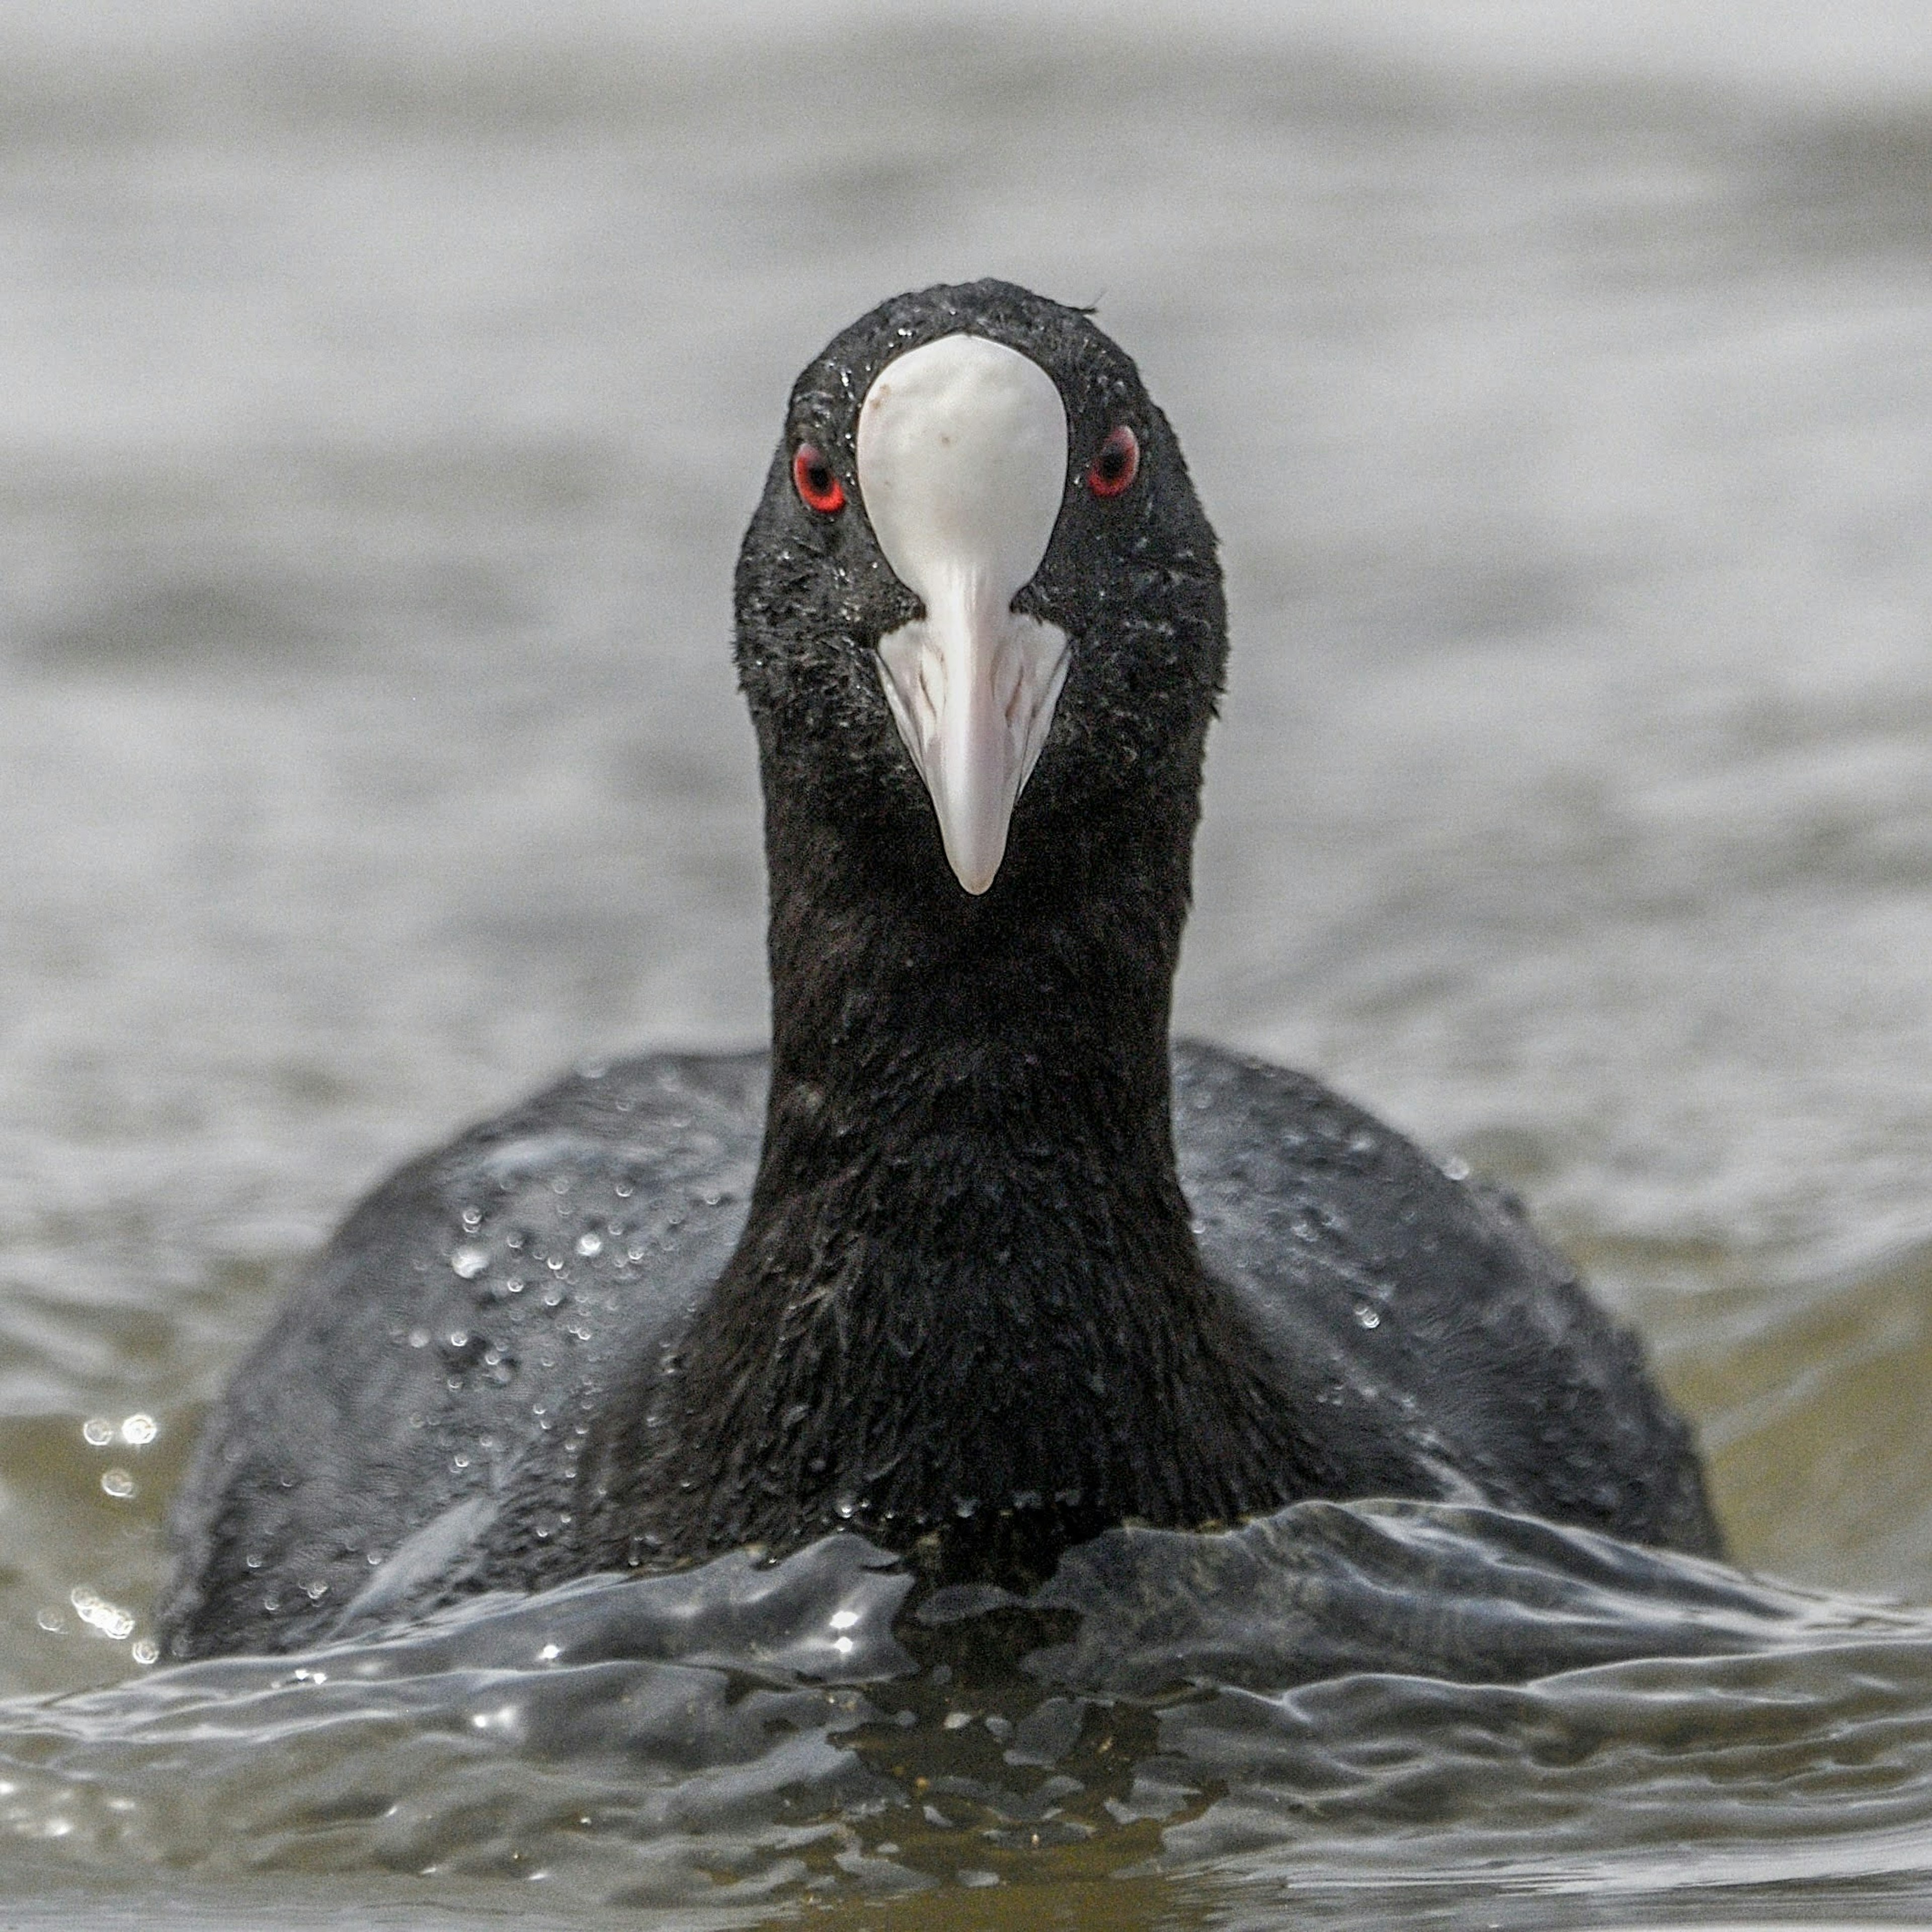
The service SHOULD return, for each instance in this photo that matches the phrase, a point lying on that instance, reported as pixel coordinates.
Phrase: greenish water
(383, 399)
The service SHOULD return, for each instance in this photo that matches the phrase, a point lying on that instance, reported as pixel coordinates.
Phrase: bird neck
(912, 1021)
(967, 1298)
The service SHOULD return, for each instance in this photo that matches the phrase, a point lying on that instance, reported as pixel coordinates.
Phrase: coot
(975, 1262)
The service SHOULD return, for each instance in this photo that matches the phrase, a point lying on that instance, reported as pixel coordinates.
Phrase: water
(382, 401)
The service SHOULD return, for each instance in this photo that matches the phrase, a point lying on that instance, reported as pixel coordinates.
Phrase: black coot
(932, 1271)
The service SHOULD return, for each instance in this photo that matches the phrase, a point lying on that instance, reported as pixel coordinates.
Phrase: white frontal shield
(962, 465)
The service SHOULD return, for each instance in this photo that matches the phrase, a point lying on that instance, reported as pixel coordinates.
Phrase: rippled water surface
(380, 400)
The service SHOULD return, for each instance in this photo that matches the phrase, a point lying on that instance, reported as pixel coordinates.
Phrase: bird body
(974, 1262)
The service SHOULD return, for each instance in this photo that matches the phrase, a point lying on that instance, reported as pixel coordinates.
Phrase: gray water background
(381, 398)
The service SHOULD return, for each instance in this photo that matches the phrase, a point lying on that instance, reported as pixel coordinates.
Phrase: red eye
(818, 485)
(1117, 463)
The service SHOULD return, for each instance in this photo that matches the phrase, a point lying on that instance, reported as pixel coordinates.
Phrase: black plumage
(960, 1294)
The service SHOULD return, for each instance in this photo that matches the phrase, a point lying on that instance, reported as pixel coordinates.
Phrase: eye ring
(816, 481)
(1116, 462)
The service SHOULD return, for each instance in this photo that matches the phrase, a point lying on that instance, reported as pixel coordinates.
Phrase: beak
(972, 690)
(962, 466)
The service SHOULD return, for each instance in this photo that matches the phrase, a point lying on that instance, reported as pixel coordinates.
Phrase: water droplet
(589, 1244)
(98, 1614)
(139, 1430)
(117, 1482)
(469, 1261)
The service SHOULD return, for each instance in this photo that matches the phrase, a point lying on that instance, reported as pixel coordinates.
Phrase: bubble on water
(117, 1482)
(589, 1244)
(843, 1619)
(469, 1261)
(96, 1432)
(418, 1338)
(1368, 1317)
(146, 1650)
(139, 1430)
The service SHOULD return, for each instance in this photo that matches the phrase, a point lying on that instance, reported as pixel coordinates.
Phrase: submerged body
(933, 1271)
